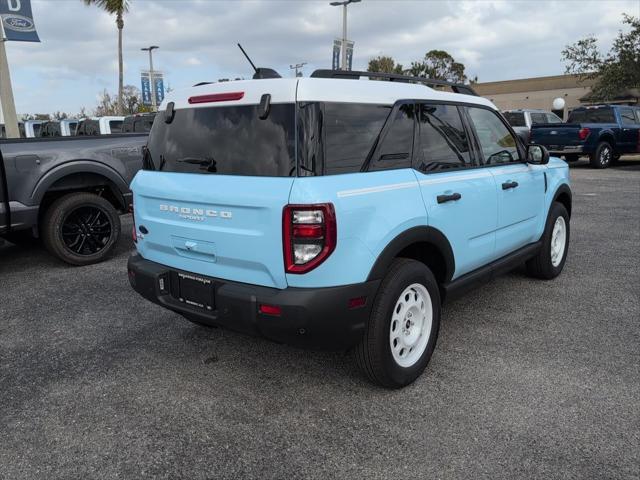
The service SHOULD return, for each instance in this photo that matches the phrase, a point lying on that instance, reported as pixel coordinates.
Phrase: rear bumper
(561, 150)
(318, 318)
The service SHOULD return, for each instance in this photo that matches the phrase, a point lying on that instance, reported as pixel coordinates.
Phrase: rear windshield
(515, 119)
(592, 115)
(225, 140)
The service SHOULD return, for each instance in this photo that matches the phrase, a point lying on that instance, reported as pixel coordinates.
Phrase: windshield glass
(592, 115)
(515, 119)
(225, 140)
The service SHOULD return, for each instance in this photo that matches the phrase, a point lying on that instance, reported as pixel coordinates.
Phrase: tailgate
(556, 136)
(223, 226)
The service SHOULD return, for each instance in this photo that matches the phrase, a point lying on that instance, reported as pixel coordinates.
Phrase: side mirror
(537, 154)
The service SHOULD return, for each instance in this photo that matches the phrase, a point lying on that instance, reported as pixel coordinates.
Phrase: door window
(626, 114)
(443, 143)
(497, 144)
(516, 119)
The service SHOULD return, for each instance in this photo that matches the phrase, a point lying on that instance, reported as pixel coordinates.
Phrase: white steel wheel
(410, 326)
(558, 241)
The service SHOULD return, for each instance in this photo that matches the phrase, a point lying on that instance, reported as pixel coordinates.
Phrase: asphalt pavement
(530, 379)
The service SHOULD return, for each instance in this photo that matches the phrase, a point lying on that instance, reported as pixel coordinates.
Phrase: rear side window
(496, 142)
(396, 146)
(442, 142)
(226, 140)
(626, 114)
(115, 126)
(350, 130)
(127, 125)
(592, 115)
(538, 118)
(515, 119)
(142, 124)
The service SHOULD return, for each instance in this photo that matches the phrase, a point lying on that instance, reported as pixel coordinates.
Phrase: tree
(131, 99)
(439, 65)
(117, 8)
(384, 64)
(107, 105)
(614, 73)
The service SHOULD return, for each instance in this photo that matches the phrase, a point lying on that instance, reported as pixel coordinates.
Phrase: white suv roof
(283, 90)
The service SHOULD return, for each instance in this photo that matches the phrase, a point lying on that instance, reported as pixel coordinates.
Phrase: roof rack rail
(394, 77)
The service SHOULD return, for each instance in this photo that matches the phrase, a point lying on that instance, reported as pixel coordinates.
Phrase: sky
(495, 39)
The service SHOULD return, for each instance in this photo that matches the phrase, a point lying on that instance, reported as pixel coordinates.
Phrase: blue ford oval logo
(18, 23)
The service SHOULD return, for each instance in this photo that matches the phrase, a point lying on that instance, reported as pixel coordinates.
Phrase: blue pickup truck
(602, 132)
(328, 212)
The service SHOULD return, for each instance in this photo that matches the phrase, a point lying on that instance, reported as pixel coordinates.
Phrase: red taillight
(274, 310)
(583, 133)
(216, 97)
(308, 236)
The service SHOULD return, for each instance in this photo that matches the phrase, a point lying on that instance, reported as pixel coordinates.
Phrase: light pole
(297, 66)
(153, 87)
(343, 51)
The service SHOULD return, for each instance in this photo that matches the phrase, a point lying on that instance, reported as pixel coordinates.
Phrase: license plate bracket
(195, 291)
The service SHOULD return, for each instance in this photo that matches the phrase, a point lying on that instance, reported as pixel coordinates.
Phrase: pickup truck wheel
(81, 228)
(550, 260)
(603, 156)
(403, 327)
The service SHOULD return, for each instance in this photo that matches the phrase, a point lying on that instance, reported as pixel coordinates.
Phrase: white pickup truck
(100, 125)
(522, 119)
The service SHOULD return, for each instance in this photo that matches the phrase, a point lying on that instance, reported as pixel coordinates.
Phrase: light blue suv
(340, 212)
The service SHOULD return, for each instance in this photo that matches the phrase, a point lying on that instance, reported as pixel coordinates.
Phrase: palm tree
(119, 8)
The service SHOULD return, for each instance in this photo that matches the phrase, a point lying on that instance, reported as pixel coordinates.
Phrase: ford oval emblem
(18, 23)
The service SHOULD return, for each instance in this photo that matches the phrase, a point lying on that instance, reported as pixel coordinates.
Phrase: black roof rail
(394, 77)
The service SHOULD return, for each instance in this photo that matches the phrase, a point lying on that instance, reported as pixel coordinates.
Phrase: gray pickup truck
(68, 191)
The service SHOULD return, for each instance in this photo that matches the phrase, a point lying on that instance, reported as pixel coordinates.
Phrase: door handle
(508, 185)
(448, 198)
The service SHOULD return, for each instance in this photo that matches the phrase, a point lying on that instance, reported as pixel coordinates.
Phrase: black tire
(603, 156)
(81, 228)
(542, 265)
(571, 157)
(373, 354)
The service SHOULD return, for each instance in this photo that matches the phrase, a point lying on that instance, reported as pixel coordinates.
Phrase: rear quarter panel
(34, 165)
(371, 209)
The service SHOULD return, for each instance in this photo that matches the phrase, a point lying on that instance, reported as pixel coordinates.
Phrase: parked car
(68, 192)
(327, 212)
(140, 122)
(522, 119)
(603, 132)
(99, 125)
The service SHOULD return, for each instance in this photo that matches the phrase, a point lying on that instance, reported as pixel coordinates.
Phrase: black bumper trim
(317, 318)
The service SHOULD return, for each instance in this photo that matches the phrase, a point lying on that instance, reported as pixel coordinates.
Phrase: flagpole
(6, 93)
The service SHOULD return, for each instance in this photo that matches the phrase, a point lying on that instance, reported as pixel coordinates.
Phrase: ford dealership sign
(17, 21)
